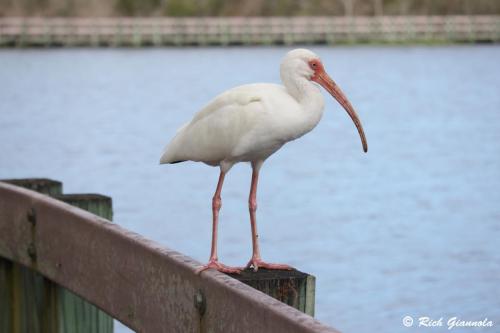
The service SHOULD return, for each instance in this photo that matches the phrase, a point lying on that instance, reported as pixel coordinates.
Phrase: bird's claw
(258, 263)
(215, 264)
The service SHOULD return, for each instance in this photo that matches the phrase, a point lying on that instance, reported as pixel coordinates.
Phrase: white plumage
(250, 122)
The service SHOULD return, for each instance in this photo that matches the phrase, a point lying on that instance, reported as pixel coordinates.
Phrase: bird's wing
(214, 131)
(238, 96)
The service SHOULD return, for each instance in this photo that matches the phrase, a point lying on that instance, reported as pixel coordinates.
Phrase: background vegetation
(245, 8)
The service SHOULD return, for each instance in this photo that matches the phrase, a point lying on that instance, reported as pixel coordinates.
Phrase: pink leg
(256, 260)
(213, 262)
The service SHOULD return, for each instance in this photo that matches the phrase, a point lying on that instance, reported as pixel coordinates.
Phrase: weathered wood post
(294, 288)
(29, 302)
(75, 314)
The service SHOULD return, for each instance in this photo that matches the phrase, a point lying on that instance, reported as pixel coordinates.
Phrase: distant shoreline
(206, 31)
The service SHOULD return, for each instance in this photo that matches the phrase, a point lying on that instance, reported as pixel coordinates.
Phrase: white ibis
(248, 124)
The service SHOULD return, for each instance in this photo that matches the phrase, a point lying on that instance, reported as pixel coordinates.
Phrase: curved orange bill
(326, 82)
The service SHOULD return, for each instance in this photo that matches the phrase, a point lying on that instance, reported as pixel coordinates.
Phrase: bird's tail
(168, 156)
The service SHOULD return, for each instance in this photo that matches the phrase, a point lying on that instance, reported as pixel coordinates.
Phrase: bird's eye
(314, 64)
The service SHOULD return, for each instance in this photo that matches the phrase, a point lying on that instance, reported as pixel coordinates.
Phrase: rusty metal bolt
(32, 216)
(199, 302)
(32, 251)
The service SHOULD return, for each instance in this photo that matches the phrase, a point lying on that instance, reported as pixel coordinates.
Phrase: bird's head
(306, 64)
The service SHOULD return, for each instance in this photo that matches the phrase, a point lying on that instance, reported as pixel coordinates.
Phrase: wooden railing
(246, 30)
(31, 303)
(146, 286)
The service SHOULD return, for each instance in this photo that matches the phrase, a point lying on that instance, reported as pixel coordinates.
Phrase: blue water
(411, 228)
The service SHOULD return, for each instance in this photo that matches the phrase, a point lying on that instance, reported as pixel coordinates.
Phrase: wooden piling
(75, 314)
(291, 287)
(41, 185)
(30, 303)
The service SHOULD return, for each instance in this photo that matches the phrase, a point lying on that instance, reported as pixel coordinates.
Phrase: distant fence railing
(16, 31)
(146, 286)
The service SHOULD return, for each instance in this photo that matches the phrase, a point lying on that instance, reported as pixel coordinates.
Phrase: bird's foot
(257, 263)
(215, 264)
